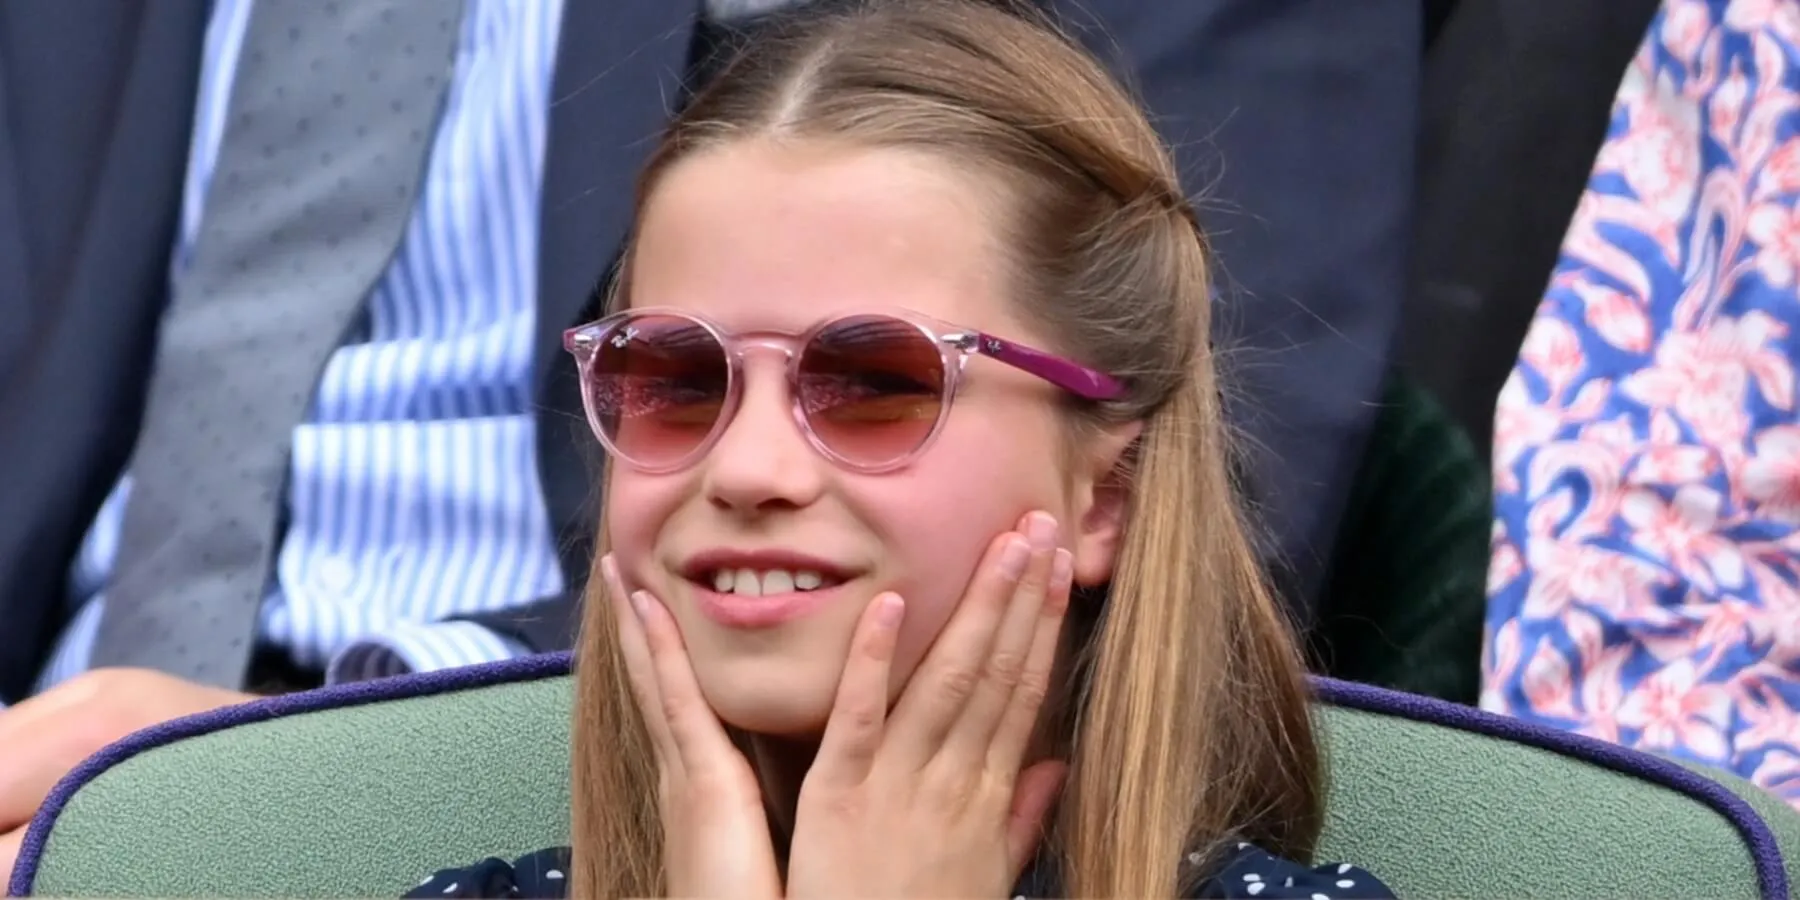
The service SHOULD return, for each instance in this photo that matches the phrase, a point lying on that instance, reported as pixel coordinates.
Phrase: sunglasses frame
(955, 346)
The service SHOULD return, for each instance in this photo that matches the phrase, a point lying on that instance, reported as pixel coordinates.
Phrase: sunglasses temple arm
(1071, 376)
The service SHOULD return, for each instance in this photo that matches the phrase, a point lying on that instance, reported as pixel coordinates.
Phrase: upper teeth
(755, 584)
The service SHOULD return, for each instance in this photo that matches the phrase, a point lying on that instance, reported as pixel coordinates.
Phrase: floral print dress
(1644, 586)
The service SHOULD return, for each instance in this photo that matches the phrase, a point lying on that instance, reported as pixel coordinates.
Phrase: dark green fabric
(1406, 595)
(367, 801)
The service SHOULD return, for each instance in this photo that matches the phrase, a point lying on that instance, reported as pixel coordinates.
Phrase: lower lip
(741, 611)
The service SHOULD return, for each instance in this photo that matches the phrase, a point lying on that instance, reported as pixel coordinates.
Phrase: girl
(906, 277)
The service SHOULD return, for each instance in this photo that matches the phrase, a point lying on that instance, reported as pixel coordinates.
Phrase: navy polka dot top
(1247, 872)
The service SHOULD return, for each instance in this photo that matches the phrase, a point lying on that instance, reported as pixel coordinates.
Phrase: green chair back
(364, 790)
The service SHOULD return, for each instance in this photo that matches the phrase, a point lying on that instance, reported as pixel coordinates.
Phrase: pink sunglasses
(870, 390)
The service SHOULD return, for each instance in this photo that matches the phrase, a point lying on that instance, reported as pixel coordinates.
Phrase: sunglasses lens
(657, 388)
(872, 388)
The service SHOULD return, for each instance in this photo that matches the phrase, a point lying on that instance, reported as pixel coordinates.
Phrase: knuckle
(1005, 668)
(848, 804)
(1037, 575)
(1034, 581)
(958, 683)
(1033, 688)
(674, 707)
(947, 793)
(862, 716)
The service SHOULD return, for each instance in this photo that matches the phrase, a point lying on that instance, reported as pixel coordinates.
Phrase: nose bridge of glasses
(785, 346)
(783, 350)
(779, 352)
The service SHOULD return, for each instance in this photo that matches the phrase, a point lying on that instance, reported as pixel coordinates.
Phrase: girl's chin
(777, 721)
(780, 707)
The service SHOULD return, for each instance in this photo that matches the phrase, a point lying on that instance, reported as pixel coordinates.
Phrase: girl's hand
(715, 833)
(930, 800)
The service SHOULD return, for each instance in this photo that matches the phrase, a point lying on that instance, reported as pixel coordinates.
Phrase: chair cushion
(1441, 800)
(352, 791)
(364, 789)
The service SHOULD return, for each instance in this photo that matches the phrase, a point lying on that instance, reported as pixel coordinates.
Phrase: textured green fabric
(1781, 818)
(1437, 812)
(355, 802)
(366, 801)
(1406, 593)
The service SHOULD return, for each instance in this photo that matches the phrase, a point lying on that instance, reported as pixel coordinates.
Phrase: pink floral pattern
(1645, 579)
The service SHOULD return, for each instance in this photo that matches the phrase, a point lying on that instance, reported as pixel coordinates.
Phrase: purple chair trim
(530, 668)
(1765, 852)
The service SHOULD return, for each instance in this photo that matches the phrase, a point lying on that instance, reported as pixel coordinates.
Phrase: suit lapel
(90, 306)
(618, 64)
(17, 303)
(62, 70)
(136, 196)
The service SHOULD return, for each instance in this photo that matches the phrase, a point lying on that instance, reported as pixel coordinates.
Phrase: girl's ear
(1103, 492)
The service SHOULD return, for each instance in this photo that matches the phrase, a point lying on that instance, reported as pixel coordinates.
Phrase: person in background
(831, 647)
(1515, 102)
(1644, 586)
(215, 489)
(281, 406)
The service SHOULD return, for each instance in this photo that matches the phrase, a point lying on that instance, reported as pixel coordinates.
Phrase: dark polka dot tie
(332, 112)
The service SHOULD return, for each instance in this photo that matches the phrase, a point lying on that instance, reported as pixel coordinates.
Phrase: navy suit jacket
(1516, 105)
(1293, 123)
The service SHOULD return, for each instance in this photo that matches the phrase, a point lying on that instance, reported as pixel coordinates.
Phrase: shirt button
(335, 575)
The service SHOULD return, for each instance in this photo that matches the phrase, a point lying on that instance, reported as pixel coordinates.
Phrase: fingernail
(1062, 569)
(1042, 531)
(1013, 558)
(888, 613)
(609, 569)
(640, 603)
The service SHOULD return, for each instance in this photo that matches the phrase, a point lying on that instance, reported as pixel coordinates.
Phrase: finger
(1018, 721)
(1033, 795)
(946, 678)
(1004, 671)
(640, 669)
(853, 733)
(40, 740)
(698, 735)
(19, 778)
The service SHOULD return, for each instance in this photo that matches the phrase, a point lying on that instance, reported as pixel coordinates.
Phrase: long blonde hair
(1188, 723)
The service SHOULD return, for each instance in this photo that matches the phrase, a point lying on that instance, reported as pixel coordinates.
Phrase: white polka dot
(427, 880)
(1345, 882)
(1252, 877)
(1242, 845)
(1320, 897)
(554, 875)
(1256, 888)
(1343, 867)
(1195, 857)
(1288, 883)
(451, 889)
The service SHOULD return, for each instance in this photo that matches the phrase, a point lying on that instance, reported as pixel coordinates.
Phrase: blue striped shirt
(413, 492)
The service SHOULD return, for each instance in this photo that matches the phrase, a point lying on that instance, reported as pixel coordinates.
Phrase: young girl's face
(761, 236)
